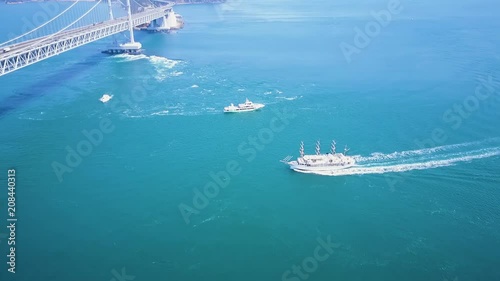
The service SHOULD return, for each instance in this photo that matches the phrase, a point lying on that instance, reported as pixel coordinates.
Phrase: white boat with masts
(320, 162)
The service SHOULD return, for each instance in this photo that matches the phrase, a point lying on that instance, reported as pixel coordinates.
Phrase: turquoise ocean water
(418, 104)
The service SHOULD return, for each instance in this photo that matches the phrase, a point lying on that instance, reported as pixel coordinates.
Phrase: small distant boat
(320, 162)
(243, 107)
(105, 98)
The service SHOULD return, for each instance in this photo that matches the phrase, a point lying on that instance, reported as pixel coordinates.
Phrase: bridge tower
(130, 23)
(131, 47)
(110, 10)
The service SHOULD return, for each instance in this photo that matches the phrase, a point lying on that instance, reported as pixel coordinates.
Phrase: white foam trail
(207, 220)
(155, 60)
(162, 65)
(160, 113)
(273, 92)
(30, 118)
(163, 62)
(289, 98)
(448, 160)
(377, 156)
(195, 86)
(127, 58)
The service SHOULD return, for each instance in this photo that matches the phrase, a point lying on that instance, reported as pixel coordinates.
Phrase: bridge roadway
(32, 51)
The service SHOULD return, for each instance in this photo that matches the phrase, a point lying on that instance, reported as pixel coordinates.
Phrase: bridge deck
(34, 50)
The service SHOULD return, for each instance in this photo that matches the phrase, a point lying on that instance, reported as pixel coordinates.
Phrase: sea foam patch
(162, 66)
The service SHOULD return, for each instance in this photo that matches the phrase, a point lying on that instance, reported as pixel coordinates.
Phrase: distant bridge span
(16, 56)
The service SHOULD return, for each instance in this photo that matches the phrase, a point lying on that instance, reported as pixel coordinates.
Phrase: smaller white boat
(105, 98)
(243, 107)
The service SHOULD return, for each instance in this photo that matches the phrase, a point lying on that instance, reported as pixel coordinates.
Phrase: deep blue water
(418, 106)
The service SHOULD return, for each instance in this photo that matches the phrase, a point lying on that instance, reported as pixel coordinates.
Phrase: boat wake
(162, 65)
(421, 159)
(127, 57)
(290, 98)
(276, 91)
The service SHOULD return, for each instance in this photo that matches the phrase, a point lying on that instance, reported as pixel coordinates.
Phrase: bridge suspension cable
(28, 52)
(110, 7)
(75, 21)
(44, 24)
(138, 4)
(63, 29)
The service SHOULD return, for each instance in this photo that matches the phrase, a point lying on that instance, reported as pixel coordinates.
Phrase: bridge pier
(132, 47)
(166, 23)
(19, 55)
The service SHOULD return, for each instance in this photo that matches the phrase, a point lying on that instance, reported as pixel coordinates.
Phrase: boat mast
(318, 152)
(110, 10)
(333, 146)
(130, 23)
(301, 149)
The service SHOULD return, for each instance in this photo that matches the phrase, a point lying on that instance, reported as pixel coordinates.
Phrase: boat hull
(106, 98)
(242, 110)
(305, 168)
(120, 51)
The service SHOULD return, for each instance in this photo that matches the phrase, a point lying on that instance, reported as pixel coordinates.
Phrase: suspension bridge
(25, 50)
